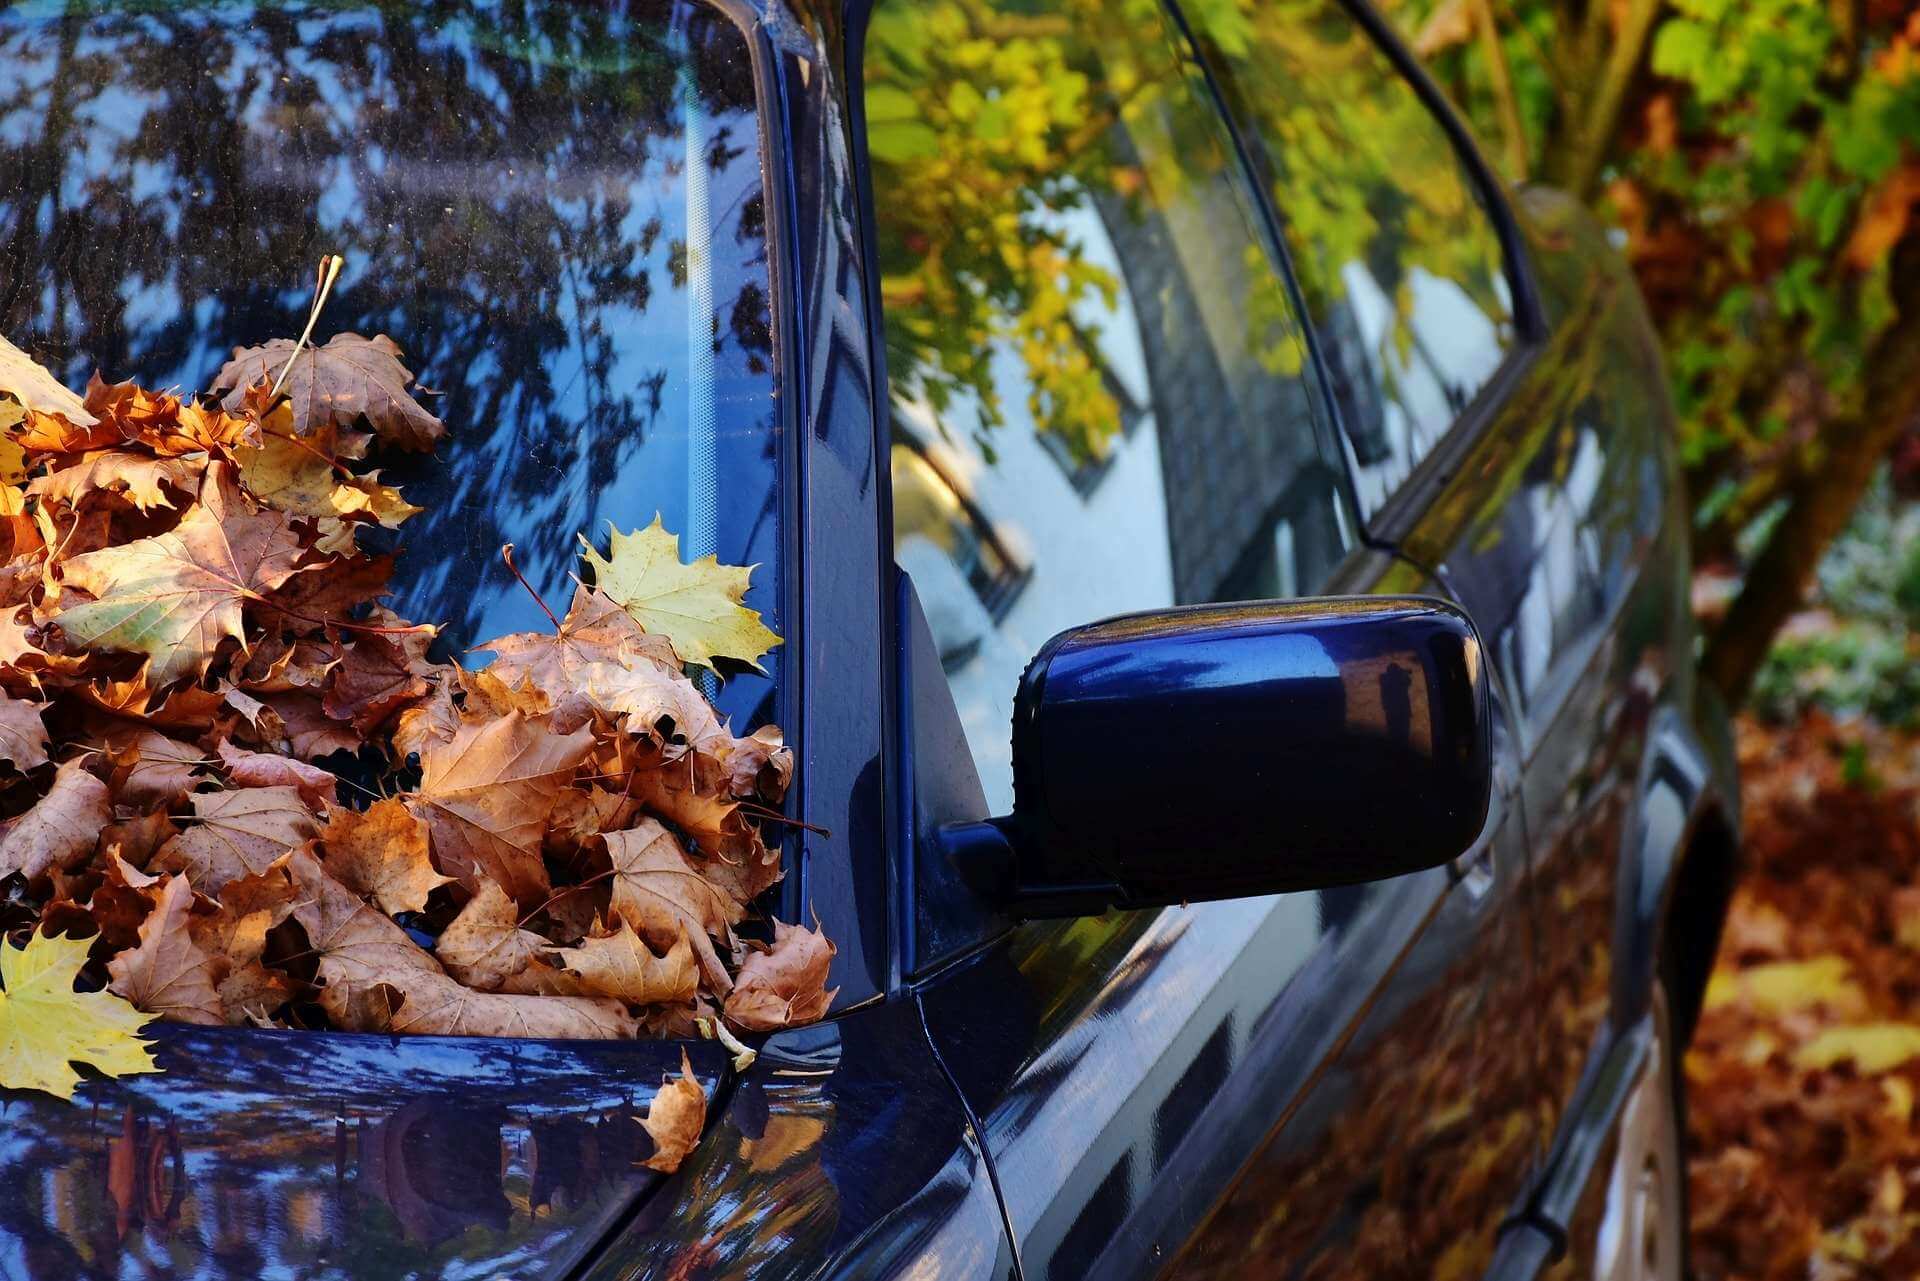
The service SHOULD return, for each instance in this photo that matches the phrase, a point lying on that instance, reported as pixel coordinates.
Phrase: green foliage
(1762, 165)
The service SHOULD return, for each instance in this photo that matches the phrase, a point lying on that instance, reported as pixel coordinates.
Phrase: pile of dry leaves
(558, 844)
(1805, 1070)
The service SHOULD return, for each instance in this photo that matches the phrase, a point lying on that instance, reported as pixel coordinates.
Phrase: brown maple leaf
(486, 795)
(168, 974)
(658, 892)
(381, 853)
(59, 832)
(23, 735)
(372, 680)
(442, 1007)
(137, 838)
(269, 769)
(784, 985)
(675, 1118)
(621, 965)
(349, 379)
(173, 597)
(152, 769)
(308, 731)
(237, 933)
(239, 831)
(486, 949)
(359, 949)
(144, 480)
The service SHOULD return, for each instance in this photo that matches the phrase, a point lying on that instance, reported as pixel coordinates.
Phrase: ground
(1804, 1073)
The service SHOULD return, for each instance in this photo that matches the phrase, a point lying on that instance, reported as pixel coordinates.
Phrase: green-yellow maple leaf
(696, 607)
(46, 1026)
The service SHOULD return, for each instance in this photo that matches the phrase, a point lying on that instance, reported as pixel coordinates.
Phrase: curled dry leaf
(658, 893)
(349, 380)
(59, 832)
(38, 391)
(373, 680)
(146, 482)
(238, 832)
(675, 1119)
(359, 949)
(381, 853)
(784, 985)
(621, 965)
(23, 735)
(270, 769)
(486, 795)
(168, 974)
(486, 949)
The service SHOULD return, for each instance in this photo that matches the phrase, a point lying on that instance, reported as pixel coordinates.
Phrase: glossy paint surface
(843, 1152)
(255, 1154)
(1241, 1088)
(1562, 535)
(1322, 707)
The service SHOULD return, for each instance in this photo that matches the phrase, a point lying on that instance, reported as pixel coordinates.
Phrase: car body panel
(1560, 527)
(334, 1155)
(1219, 1089)
(842, 1152)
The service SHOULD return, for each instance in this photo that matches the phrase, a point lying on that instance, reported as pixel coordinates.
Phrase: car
(1234, 581)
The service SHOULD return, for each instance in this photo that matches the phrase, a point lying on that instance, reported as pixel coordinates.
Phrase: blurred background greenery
(1756, 159)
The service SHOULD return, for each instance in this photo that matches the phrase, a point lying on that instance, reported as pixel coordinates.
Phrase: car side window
(1399, 263)
(1101, 398)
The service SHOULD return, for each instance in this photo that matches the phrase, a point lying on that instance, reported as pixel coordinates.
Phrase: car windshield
(556, 210)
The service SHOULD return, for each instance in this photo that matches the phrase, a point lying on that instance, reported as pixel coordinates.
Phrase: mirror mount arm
(987, 857)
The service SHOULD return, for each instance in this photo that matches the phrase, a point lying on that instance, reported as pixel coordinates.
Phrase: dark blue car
(1339, 906)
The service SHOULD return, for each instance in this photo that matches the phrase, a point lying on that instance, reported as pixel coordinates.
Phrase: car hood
(322, 1155)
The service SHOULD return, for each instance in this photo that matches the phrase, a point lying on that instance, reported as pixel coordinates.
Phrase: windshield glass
(554, 208)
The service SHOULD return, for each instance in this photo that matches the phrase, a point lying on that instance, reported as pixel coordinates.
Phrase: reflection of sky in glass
(508, 186)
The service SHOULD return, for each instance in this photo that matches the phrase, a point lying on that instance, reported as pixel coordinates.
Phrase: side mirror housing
(1223, 751)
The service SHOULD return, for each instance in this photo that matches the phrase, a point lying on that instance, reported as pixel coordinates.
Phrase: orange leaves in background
(1805, 1068)
(192, 656)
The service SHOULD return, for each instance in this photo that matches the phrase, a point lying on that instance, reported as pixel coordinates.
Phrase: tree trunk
(1823, 503)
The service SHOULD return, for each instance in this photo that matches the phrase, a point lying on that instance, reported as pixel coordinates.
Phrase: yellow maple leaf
(1873, 1047)
(697, 607)
(46, 1026)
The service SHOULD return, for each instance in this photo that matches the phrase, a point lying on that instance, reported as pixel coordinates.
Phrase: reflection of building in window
(928, 505)
(1085, 472)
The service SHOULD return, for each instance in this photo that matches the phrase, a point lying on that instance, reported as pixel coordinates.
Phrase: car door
(1504, 408)
(1103, 400)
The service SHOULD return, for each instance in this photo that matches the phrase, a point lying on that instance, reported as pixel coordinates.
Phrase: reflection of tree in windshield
(509, 187)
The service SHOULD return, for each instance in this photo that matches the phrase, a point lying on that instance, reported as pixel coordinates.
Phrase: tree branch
(1824, 500)
(1594, 136)
(1501, 74)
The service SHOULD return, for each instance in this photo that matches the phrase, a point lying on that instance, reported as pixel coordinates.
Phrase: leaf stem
(329, 272)
(506, 554)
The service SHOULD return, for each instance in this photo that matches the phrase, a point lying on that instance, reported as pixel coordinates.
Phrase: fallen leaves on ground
(1802, 1079)
(246, 793)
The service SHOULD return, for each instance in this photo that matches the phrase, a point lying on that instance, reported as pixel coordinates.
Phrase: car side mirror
(1229, 750)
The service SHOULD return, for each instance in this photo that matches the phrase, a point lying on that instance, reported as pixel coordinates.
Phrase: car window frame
(1387, 524)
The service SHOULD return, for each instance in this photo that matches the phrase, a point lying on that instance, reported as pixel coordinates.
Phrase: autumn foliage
(262, 798)
(1802, 1078)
